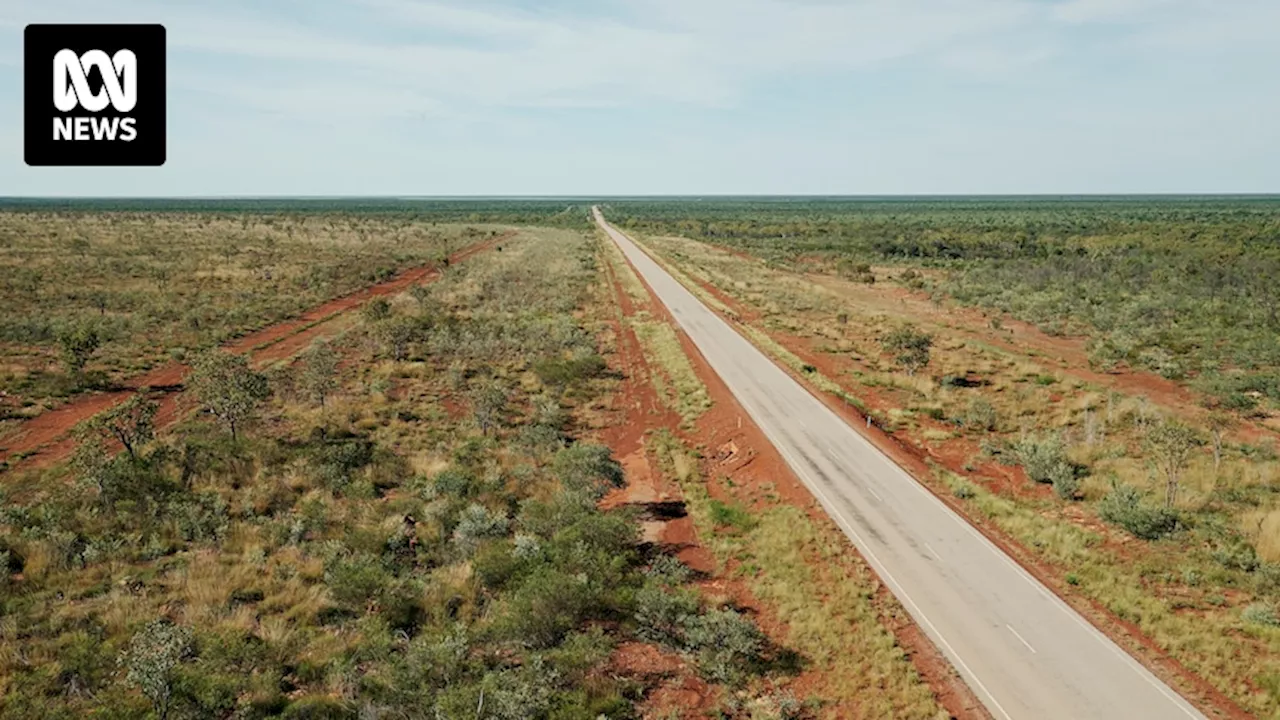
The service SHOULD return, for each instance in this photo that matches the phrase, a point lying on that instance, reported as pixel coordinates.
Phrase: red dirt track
(44, 439)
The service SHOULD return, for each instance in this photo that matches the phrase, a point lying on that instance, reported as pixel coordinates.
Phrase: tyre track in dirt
(45, 439)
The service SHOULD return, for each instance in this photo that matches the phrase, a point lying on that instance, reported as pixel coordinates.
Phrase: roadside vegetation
(805, 574)
(1156, 501)
(677, 383)
(801, 572)
(401, 523)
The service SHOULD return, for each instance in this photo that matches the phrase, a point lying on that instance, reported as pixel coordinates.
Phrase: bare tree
(1171, 444)
(1220, 424)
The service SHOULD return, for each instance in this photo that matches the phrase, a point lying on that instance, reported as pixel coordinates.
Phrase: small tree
(131, 423)
(588, 467)
(79, 245)
(78, 342)
(396, 335)
(489, 401)
(228, 388)
(152, 662)
(910, 347)
(377, 309)
(1170, 444)
(1220, 424)
(90, 462)
(319, 375)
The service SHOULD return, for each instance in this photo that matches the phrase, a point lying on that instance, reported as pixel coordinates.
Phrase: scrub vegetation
(93, 298)
(1098, 381)
(401, 523)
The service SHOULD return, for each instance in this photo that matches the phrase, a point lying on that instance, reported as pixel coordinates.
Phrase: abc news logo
(94, 94)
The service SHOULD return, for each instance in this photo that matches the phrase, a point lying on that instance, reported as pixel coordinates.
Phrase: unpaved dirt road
(1024, 651)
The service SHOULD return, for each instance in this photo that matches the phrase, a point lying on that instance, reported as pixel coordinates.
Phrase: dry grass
(1263, 528)
(158, 286)
(809, 579)
(677, 383)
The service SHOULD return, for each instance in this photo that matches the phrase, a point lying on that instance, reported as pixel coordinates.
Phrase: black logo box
(41, 43)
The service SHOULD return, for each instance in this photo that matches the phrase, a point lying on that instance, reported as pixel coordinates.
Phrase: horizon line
(1268, 195)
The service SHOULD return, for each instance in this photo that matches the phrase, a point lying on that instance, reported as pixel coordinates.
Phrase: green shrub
(453, 482)
(588, 468)
(498, 564)
(1045, 461)
(732, 516)
(910, 347)
(543, 609)
(203, 517)
(1124, 506)
(151, 663)
(78, 342)
(668, 569)
(545, 519)
(980, 415)
(354, 581)
(598, 546)
(726, 644)
(376, 310)
(538, 439)
(228, 388)
(336, 460)
(475, 524)
(560, 373)
(1261, 614)
(1237, 555)
(664, 612)
(401, 607)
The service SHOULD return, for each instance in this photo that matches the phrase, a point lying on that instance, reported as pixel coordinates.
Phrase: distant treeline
(555, 213)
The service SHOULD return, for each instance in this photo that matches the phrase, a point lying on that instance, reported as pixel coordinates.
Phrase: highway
(1024, 652)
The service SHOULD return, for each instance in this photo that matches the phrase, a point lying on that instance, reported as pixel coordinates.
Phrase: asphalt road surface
(1025, 652)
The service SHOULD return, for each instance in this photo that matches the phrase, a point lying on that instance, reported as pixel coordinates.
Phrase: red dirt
(43, 440)
(915, 458)
(641, 411)
(733, 446)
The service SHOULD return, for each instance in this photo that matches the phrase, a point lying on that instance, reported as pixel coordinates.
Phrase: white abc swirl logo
(119, 80)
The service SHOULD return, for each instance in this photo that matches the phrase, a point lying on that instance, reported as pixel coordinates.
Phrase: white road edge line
(1024, 640)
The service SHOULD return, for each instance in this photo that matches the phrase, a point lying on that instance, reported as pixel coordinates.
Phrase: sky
(642, 97)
